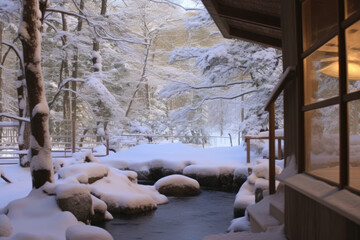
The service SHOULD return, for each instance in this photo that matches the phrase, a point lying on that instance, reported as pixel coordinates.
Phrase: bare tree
(40, 147)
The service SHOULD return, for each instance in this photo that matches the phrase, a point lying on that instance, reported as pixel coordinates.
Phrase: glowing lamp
(353, 70)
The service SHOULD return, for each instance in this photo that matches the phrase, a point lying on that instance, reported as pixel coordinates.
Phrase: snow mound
(85, 232)
(70, 189)
(38, 216)
(239, 224)
(123, 196)
(178, 185)
(258, 180)
(84, 173)
(5, 226)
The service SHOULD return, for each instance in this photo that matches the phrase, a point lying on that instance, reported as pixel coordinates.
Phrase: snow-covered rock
(84, 173)
(5, 226)
(86, 232)
(257, 183)
(38, 216)
(99, 210)
(76, 199)
(123, 196)
(220, 177)
(244, 198)
(178, 185)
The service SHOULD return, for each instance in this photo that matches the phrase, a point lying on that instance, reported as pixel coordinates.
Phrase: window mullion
(343, 121)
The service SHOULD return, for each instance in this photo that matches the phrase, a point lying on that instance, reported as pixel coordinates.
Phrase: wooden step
(260, 218)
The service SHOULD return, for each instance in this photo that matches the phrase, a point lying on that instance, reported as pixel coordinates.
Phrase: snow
(119, 192)
(38, 215)
(257, 179)
(245, 196)
(83, 172)
(176, 180)
(247, 236)
(5, 226)
(84, 232)
(70, 189)
(41, 108)
(177, 156)
(239, 224)
(346, 202)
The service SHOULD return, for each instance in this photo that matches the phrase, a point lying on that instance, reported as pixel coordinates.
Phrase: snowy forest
(152, 67)
(151, 80)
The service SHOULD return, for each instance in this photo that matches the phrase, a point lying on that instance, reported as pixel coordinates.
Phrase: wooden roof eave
(265, 29)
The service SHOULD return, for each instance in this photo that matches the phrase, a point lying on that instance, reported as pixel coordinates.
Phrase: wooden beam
(249, 16)
(254, 37)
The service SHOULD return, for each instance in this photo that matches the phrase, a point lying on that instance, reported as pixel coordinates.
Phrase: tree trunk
(64, 71)
(1, 81)
(40, 148)
(75, 75)
(24, 128)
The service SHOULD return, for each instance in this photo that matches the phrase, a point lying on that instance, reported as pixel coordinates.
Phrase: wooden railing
(286, 77)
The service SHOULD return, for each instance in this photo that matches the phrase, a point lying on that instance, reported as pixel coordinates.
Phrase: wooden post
(272, 148)
(230, 140)
(73, 136)
(247, 140)
(279, 149)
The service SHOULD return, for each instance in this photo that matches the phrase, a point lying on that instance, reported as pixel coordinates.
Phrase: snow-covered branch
(18, 54)
(14, 117)
(171, 3)
(60, 89)
(230, 97)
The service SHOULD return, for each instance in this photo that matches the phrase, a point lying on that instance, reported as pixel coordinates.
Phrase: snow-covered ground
(118, 189)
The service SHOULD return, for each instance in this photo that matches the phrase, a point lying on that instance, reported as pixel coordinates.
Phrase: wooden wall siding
(252, 20)
(307, 219)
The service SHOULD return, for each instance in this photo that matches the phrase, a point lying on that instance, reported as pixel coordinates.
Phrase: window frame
(341, 100)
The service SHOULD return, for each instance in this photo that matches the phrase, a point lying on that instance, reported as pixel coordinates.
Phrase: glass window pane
(321, 73)
(318, 17)
(322, 142)
(354, 144)
(353, 56)
(351, 6)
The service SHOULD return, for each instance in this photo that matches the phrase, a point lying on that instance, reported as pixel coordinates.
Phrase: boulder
(178, 186)
(76, 199)
(84, 172)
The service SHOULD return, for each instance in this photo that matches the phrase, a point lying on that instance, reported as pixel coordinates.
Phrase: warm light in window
(353, 70)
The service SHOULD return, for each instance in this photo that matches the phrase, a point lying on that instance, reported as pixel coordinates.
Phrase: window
(319, 16)
(331, 98)
(353, 56)
(320, 80)
(354, 144)
(351, 6)
(322, 142)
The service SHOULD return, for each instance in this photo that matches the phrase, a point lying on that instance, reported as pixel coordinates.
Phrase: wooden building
(320, 41)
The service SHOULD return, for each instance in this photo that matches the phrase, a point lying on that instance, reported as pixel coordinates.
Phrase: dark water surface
(189, 218)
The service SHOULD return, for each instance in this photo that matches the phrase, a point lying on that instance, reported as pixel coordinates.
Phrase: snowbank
(258, 180)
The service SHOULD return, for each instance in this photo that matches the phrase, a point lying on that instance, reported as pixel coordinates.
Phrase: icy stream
(189, 218)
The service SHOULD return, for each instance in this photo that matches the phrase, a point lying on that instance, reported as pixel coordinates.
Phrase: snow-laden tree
(228, 71)
(40, 146)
